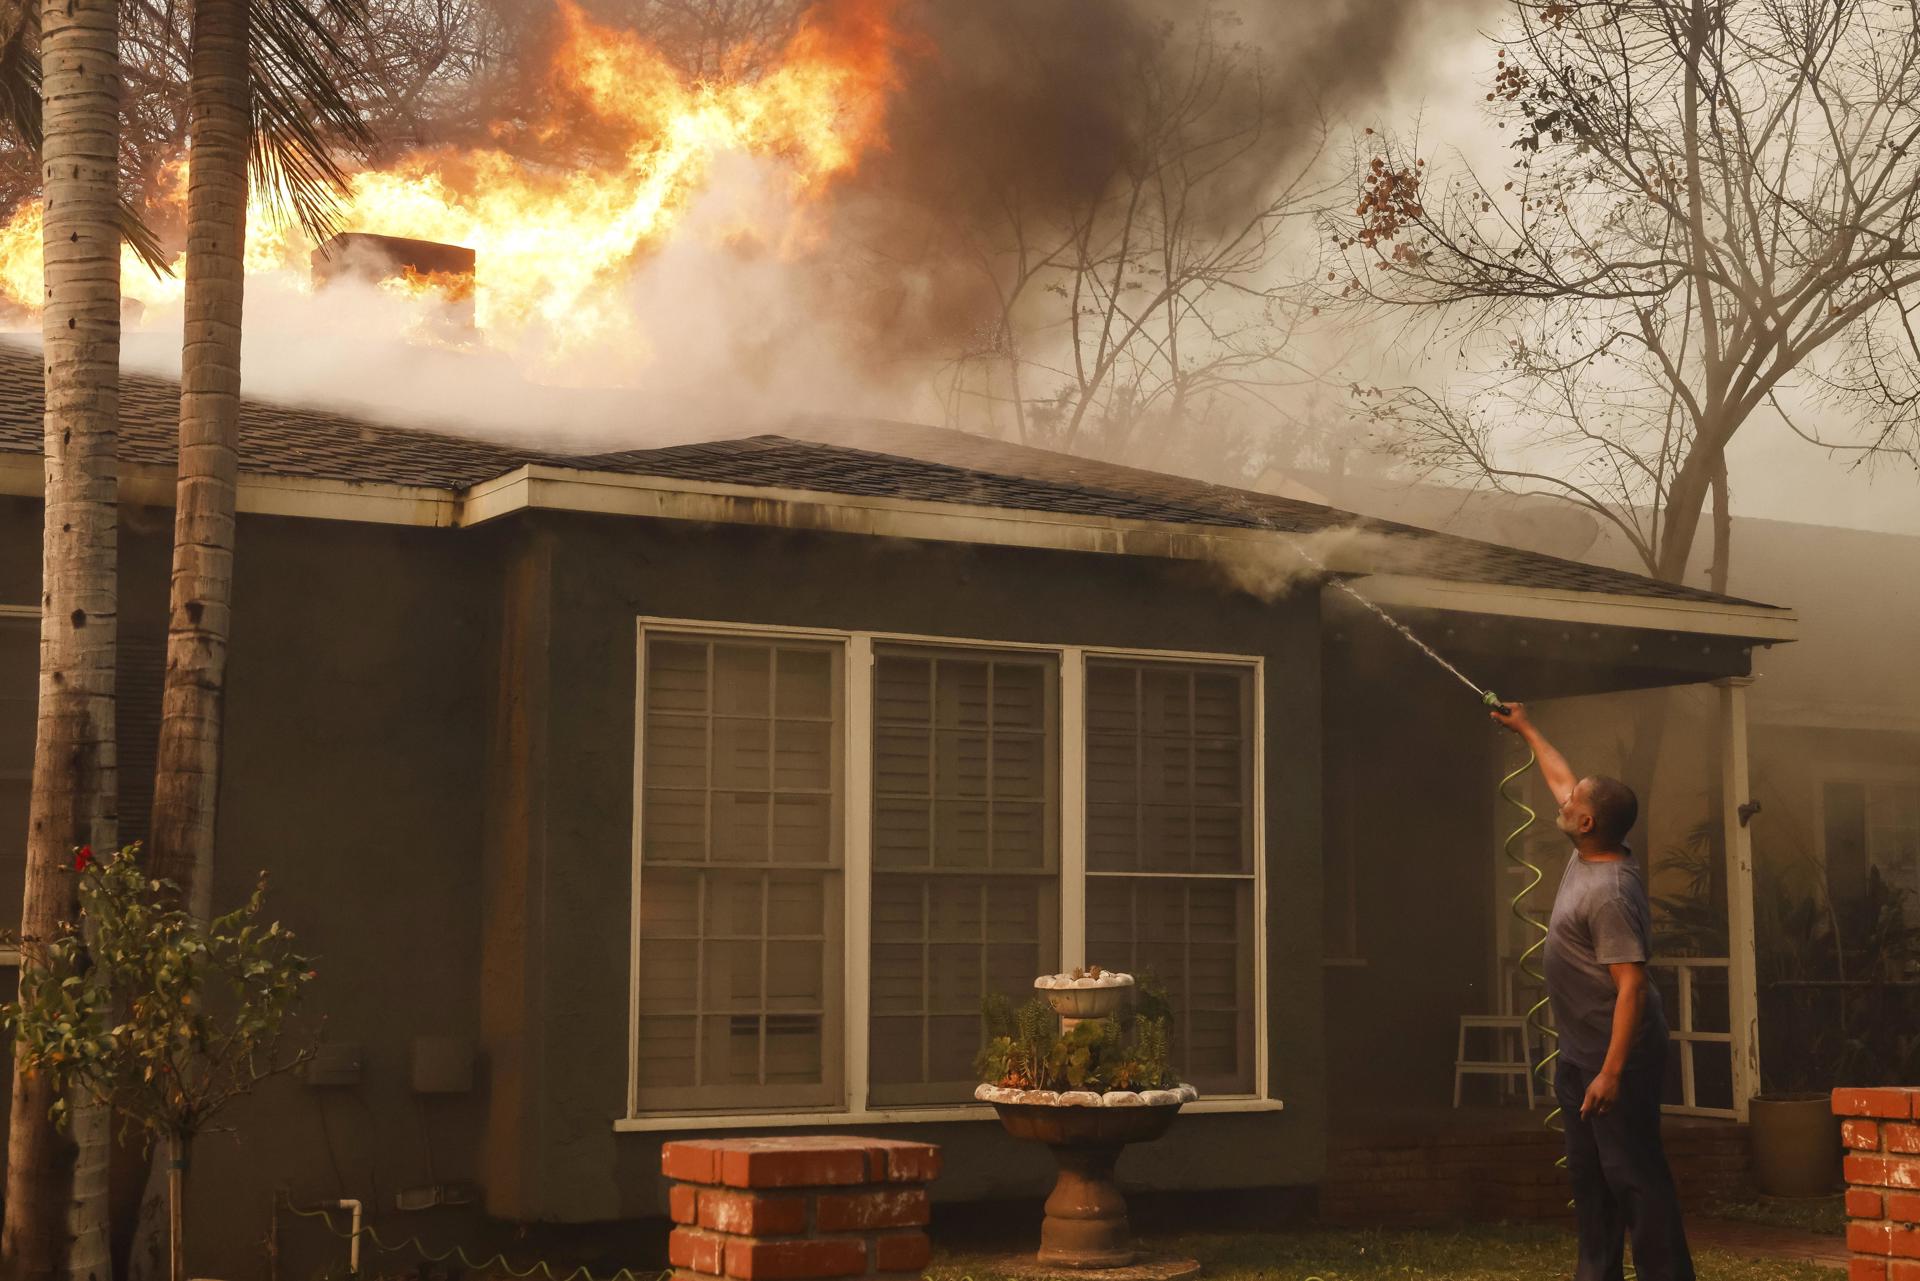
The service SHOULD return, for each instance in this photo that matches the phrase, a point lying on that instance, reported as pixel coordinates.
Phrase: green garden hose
(1514, 848)
(495, 1265)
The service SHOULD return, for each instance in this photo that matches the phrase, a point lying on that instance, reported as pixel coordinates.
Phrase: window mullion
(1073, 808)
(858, 895)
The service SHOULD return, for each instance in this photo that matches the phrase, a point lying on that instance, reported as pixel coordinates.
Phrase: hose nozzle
(1492, 700)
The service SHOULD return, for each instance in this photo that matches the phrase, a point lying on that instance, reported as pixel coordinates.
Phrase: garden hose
(495, 1265)
(1514, 847)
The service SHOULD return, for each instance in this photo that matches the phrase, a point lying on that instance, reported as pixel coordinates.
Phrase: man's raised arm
(1553, 766)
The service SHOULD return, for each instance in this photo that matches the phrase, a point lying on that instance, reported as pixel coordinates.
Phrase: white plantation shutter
(966, 877)
(740, 987)
(1170, 855)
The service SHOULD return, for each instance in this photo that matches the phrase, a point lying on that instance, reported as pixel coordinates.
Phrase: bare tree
(1143, 314)
(1713, 217)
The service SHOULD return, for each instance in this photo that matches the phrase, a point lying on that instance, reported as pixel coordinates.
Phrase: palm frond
(303, 110)
(139, 237)
(20, 69)
(20, 108)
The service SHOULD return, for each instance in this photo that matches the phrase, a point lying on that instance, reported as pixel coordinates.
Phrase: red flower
(84, 859)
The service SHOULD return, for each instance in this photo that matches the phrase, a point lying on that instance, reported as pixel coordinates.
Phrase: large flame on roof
(556, 238)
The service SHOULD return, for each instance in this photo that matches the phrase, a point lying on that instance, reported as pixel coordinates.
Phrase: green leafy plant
(1025, 1049)
(162, 1017)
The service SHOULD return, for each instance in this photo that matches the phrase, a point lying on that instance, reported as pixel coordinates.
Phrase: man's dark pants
(1621, 1185)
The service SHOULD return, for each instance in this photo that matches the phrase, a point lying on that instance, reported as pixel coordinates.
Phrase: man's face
(1576, 812)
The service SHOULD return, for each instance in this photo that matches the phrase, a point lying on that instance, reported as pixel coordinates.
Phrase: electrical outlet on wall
(421, 1198)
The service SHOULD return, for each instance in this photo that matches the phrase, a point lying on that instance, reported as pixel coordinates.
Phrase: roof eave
(540, 487)
(1763, 623)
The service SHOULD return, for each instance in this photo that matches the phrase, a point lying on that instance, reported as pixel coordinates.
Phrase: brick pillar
(1882, 1135)
(798, 1208)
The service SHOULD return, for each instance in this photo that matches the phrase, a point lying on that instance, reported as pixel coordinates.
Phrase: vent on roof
(439, 274)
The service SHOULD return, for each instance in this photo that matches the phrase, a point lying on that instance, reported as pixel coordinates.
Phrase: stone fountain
(1086, 1225)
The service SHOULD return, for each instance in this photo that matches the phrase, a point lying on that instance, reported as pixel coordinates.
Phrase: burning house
(711, 787)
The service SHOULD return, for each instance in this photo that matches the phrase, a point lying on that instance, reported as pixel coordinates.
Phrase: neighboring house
(710, 787)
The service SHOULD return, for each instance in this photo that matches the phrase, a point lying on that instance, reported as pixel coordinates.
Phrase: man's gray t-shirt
(1600, 918)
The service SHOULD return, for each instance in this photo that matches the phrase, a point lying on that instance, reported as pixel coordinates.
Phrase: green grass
(1490, 1253)
(1826, 1215)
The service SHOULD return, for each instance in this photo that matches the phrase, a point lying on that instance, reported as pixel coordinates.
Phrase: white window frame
(857, 863)
(10, 955)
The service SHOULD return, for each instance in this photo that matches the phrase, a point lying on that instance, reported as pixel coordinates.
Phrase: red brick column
(798, 1208)
(1881, 1129)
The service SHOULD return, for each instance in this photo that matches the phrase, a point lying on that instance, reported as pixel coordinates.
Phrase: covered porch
(1422, 927)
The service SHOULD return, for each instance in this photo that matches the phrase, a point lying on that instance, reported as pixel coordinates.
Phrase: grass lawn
(1491, 1253)
(1826, 1215)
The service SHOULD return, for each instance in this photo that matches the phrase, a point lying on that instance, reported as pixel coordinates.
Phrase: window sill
(885, 1116)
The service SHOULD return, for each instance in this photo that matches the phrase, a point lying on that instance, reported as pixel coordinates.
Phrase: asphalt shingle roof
(834, 458)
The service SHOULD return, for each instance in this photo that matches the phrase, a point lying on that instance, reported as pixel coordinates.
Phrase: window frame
(10, 953)
(857, 664)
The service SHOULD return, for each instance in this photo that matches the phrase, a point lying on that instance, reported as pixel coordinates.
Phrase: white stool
(1512, 1043)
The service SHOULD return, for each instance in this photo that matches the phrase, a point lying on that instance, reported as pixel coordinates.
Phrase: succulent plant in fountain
(1105, 1048)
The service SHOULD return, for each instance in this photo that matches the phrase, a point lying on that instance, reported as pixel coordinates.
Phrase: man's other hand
(1601, 1095)
(1514, 718)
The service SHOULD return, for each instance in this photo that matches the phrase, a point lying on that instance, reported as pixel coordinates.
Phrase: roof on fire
(849, 459)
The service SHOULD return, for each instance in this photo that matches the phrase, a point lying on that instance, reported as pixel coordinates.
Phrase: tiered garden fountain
(1086, 1089)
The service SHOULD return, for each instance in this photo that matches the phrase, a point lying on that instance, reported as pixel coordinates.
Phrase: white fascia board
(379, 504)
(1562, 605)
(666, 498)
(24, 475)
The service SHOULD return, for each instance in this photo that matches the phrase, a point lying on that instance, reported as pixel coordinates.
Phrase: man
(1613, 1033)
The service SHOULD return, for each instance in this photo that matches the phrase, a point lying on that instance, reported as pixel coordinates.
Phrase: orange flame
(555, 241)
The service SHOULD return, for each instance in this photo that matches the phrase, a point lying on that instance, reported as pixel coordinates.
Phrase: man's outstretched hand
(1514, 718)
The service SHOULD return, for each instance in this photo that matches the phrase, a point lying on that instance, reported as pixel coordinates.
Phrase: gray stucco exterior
(429, 747)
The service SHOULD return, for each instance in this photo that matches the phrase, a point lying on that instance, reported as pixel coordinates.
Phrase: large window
(966, 870)
(1170, 858)
(846, 842)
(739, 985)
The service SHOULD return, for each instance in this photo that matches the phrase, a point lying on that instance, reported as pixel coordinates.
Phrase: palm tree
(266, 95)
(268, 100)
(56, 1175)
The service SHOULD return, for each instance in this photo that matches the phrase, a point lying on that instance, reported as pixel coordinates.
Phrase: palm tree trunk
(188, 770)
(55, 1226)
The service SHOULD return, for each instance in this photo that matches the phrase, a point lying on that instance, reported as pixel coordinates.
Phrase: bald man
(1613, 1033)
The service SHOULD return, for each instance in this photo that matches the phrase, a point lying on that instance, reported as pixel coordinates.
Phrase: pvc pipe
(353, 1247)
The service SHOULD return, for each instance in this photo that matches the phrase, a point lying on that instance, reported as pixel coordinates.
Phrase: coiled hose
(497, 1265)
(1514, 848)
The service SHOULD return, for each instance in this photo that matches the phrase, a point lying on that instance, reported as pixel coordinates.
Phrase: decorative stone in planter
(1086, 1223)
(1074, 997)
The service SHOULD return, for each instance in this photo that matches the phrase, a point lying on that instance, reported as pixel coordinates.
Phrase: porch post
(1742, 978)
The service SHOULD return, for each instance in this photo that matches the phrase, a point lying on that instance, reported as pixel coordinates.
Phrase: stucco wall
(605, 573)
(355, 732)
(1409, 764)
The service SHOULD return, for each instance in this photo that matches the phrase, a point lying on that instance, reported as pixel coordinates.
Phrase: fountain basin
(1086, 1224)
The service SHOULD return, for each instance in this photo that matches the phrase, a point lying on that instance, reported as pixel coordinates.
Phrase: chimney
(445, 270)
